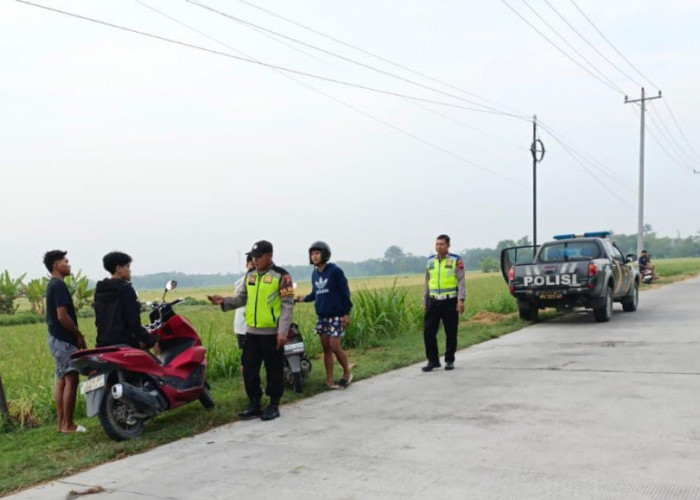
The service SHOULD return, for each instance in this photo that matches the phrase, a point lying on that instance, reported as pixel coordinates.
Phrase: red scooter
(127, 387)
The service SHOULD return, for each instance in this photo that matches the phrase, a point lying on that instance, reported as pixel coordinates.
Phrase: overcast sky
(183, 158)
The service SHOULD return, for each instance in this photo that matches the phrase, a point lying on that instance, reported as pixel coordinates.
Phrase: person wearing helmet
(332, 296)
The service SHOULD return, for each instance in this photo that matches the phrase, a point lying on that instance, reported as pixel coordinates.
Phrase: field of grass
(386, 334)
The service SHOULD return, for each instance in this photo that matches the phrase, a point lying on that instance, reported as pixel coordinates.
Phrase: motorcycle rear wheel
(117, 419)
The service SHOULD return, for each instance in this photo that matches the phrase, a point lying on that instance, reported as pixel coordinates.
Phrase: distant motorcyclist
(644, 262)
(117, 308)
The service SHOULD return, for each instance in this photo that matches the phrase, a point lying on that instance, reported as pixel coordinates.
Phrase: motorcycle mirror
(170, 285)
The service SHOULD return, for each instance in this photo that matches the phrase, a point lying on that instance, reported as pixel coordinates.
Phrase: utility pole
(535, 160)
(640, 211)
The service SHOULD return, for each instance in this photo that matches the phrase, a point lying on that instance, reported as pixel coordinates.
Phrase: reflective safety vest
(443, 280)
(264, 304)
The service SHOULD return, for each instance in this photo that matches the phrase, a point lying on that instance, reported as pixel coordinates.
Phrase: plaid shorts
(333, 327)
(61, 352)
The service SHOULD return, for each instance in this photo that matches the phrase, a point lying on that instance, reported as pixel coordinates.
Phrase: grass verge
(31, 456)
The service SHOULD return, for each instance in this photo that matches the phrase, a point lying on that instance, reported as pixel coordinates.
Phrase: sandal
(331, 387)
(78, 430)
(345, 383)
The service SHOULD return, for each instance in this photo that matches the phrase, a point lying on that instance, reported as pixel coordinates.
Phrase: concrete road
(567, 409)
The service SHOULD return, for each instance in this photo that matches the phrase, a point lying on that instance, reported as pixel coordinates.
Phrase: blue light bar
(597, 234)
(592, 234)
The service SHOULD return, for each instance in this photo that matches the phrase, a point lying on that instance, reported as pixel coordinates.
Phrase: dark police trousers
(445, 310)
(259, 349)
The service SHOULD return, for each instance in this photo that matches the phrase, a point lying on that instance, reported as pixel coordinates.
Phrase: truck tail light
(592, 273)
(511, 278)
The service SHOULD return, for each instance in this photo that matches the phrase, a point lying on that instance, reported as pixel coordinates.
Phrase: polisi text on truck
(550, 280)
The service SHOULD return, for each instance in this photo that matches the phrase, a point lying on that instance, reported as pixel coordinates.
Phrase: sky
(183, 158)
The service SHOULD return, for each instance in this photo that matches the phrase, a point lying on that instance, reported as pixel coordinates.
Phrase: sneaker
(270, 413)
(253, 411)
(449, 365)
(430, 367)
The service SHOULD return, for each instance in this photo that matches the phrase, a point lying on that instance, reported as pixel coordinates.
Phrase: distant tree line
(394, 261)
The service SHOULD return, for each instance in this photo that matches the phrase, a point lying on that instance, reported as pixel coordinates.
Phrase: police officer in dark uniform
(268, 296)
(445, 293)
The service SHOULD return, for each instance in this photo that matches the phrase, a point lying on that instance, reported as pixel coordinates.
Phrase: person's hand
(300, 298)
(345, 320)
(217, 300)
(81, 342)
(460, 306)
(281, 340)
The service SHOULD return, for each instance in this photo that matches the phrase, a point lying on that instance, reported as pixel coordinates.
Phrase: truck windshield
(570, 250)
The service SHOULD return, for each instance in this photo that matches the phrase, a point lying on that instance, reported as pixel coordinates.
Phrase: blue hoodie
(330, 291)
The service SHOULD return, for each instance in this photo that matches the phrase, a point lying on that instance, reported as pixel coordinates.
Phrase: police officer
(445, 292)
(268, 296)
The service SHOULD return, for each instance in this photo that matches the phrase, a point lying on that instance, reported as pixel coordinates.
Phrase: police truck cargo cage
(586, 270)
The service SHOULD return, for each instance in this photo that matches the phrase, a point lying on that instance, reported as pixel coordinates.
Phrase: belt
(443, 296)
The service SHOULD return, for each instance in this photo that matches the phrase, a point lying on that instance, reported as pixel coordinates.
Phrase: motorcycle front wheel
(117, 419)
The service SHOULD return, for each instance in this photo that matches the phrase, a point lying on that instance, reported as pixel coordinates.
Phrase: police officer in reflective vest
(268, 296)
(445, 292)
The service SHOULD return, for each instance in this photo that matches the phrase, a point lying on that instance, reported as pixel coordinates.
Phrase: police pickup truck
(585, 270)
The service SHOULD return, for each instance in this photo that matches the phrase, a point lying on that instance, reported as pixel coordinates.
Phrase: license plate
(292, 348)
(92, 384)
(551, 295)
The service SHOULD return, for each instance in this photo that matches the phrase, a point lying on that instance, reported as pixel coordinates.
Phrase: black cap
(261, 248)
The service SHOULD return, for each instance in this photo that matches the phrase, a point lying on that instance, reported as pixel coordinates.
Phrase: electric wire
(658, 142)
(590, 173)
(595, 49)
(379, 58)
(534, 28)
(593, 163)
(563, 39)
(349, 60)
(612, 45)
(678, 126)
(655, 116)
(333, 98)
(261, 63)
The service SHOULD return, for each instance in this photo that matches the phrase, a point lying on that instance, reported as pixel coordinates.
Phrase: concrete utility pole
(535, 160)
(640, 213)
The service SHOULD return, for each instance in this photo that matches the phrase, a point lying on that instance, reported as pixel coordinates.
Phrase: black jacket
(118, 315)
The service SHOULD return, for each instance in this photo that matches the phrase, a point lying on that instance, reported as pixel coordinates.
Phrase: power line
(612, 87)
(661, 146)
(589, 172)
(623, 73)
(666, 133)
(613, 46)
(592, 162)
(348, 59)
(378, 57)
(563, 39)
(333, 98)
(261, 63)
(678, 126)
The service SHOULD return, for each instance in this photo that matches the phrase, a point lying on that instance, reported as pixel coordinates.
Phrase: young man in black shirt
(117, 308)
(64, 338)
